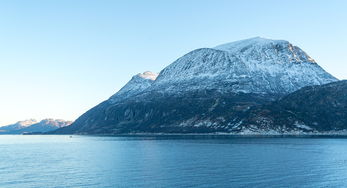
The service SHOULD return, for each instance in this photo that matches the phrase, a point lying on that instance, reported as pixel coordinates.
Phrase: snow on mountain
(258, 48)
(34, 126)
(18, 125)
(26, 123)
(255, 65)
(136, 85)
(46, 125)
(148, 75)
(55, 122)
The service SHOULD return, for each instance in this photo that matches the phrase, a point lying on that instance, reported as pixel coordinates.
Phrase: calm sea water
(86, 161)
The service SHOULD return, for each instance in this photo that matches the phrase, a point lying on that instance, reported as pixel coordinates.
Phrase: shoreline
(256, 135)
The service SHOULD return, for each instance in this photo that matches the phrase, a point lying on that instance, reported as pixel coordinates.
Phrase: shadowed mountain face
(200, 112)
(206, 90)
(310, 109)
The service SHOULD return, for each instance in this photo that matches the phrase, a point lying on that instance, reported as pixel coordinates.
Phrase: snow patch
(302, 126)
(148, 75)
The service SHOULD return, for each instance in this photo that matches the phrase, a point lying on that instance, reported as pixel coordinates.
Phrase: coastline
(212, 135)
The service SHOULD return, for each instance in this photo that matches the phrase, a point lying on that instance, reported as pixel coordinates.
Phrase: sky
(59, 58)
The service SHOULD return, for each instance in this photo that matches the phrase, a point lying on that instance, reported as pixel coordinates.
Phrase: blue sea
(171, 161)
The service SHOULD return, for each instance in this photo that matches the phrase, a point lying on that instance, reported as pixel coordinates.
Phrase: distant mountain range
(33, 126)
(253, 86)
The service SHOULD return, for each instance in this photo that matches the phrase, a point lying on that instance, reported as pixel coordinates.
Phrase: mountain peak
(27, 122)
(255, 65)
(136, 85)
(148, 75)
(266, 49)
(54, 121)
(259, 41)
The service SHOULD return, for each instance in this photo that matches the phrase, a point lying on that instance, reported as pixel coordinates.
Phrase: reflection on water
(161, 161)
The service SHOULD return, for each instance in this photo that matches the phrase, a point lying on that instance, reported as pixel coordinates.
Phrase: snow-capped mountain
(29, 126)
(17, 126)
(206, 90)
(45, 126)
(255, 65)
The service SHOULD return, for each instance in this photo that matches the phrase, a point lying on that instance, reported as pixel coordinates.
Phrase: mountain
(17, 126)
(46, 125)
(255, 65)
(312, 109)
(207, 90)
(32, 126)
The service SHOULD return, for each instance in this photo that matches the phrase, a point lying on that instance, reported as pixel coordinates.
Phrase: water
(86, 161)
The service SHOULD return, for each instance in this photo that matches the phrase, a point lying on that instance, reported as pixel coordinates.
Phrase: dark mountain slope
(310, 109)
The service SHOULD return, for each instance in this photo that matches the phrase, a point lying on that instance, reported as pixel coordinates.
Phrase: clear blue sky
(58, 58)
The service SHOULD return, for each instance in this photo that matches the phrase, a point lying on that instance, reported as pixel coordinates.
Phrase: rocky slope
(313, 109)
(32, 126)
(206, 90)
